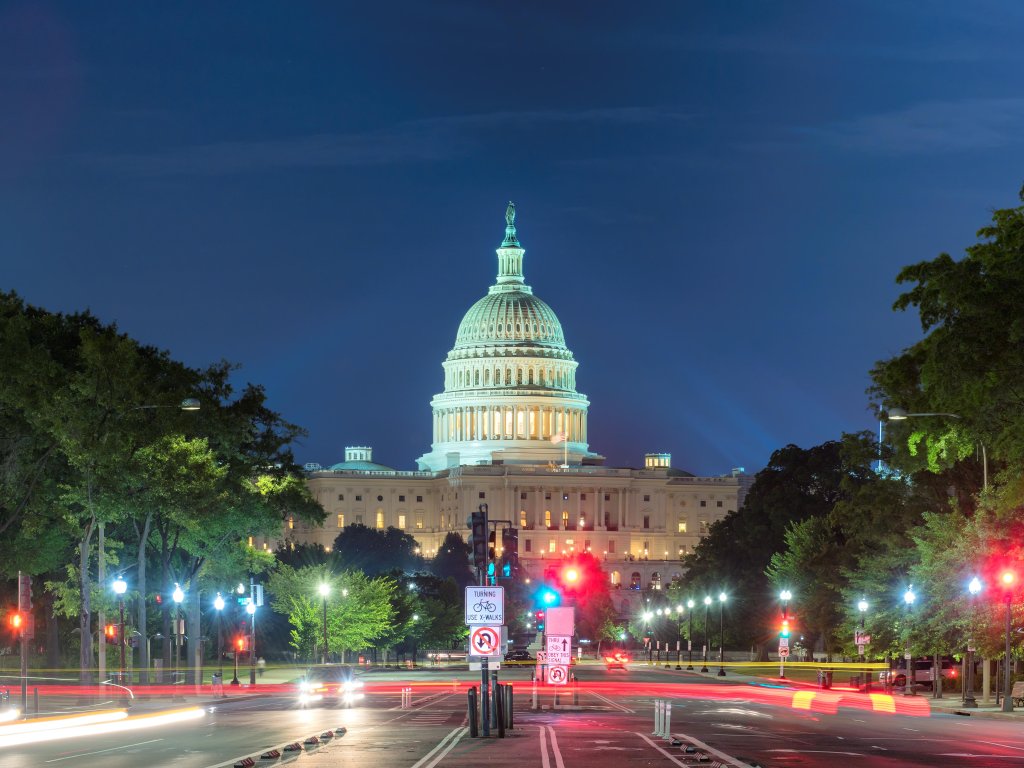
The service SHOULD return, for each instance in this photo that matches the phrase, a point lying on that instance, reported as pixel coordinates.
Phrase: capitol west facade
(510, 431)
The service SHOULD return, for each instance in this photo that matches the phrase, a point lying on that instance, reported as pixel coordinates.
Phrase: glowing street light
(974, 587)
(908, 686)
(177, 596)
(707, 605)
(324, 589)
(721, 636)
(218, 603)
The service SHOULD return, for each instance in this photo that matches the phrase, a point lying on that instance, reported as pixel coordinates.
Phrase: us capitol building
(510, 431)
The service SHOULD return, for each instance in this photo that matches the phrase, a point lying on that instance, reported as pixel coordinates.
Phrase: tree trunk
(84, 611)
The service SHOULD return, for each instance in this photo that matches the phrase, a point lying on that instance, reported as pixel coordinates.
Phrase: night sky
(714, 197)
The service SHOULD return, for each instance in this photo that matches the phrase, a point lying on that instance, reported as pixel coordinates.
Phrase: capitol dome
(510, 380)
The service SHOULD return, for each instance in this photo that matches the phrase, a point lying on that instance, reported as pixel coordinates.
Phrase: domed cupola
(510, 381)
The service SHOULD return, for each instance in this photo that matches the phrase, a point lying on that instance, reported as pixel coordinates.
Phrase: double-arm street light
(324, 589)
(120, 587)
(707, 605)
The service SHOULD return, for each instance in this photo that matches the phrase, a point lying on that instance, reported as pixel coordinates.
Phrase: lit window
(401, 522)
(565, 518)
(419, 520)
(291, 523)
(341, 521)
(547, 518)
(250, 541)
(380, 518)
(682, 526)
(551, 546)
(522, 518)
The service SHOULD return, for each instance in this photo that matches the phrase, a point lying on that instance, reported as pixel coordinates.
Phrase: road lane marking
(101, 751)
(452, 738)
(671, 757)
(697, 742)
(554, 748)
(611, 702)
(997, 744)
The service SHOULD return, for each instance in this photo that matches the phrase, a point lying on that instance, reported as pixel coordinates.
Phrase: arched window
(508, 377)
(531, 377)
(487, 377)
(634, 580)
(476, 379)
(616, 578)
(519, 376)
(497, 377)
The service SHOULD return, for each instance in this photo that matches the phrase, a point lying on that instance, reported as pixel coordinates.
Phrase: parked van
(923, 672)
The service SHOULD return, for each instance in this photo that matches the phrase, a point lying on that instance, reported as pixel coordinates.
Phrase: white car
(330, 684)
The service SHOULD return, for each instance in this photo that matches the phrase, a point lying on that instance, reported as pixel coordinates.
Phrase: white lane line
(441, 750)
(997, 744)
(101, 751)
(544, 761)
(554, 748)
(611, 702)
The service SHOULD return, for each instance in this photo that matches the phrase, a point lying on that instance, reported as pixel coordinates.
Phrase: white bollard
(657, 718)
(668, 721)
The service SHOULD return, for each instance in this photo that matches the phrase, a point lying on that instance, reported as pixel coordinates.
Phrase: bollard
(657, 718)
(509, 702)
(533, 701)
(471, 711)
(499, 708)
(667, 727)
(35, 699)
(494, 699)
(575, 691)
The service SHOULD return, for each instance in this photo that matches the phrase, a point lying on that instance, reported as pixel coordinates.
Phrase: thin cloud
(419, 141)
(930, 127)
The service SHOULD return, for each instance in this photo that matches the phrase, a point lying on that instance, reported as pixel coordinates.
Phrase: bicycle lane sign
(485, 605)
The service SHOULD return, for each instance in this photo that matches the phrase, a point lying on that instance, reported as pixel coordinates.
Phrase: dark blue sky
(714, 197)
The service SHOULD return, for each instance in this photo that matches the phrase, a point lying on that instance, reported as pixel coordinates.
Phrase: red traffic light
(571, 576)
(16, 620)
(110, 631)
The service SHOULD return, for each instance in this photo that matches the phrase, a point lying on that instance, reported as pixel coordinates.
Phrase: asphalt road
(608, 724)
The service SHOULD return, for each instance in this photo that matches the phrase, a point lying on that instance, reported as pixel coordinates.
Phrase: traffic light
(784, 628)
(16, 621)
(478, 537)
(571, 577)
(490, 572)
(538, 617)
(242, 643)
(111, 632)
(492, 545)
(548, 596)
(509, 553)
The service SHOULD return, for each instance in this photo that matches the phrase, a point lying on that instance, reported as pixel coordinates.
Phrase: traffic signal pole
(485, 699)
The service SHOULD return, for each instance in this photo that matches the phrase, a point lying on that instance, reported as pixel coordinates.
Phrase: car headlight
(304, 686)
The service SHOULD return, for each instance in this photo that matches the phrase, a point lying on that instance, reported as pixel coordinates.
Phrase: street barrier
(662, 719)
(471, 713)
(245, 762)
(272, 754)
(407, 698)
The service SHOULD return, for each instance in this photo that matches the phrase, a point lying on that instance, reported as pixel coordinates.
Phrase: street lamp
(250, 608)
(647, 623)
(689, 635)
(415, 618)
(900, 414)
(721, 634)
(785, 596)
(177, 596)
(908, 686)
(218, 603)
(1007, 578)
(679, 652)
(324, 589)
(707, 605)
(120, 587)
(862, 606)
(974, 587)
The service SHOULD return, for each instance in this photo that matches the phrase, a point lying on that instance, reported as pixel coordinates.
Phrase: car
(616, 660)
(923, 672)
(519, 656)
(330, 684)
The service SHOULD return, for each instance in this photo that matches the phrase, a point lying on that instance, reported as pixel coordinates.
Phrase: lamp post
(679, 650)
(218, 603)
(647, 632)
(707, 605)
(324, 589)
(1007, 578)
(785, 596)
(908, 686)
(862, 606)
(120, 587)
(177, 596)
(251, 610)
(974, 587)
(900, 414)
(721, 634)
(689, 635)
(415, 619)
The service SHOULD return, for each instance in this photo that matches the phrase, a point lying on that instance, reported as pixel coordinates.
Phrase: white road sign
(783, 651)
(783, 642)
(542, 657)
(559, 649)
(560, 621)
(485, 605)
(558, 675)
(485, 641)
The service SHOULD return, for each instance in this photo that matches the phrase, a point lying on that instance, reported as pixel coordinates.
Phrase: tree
(375, 552)
(452, 560)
